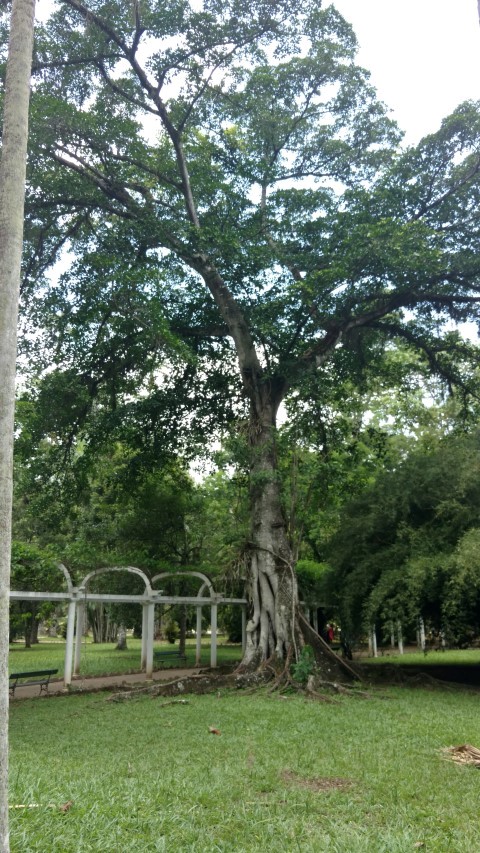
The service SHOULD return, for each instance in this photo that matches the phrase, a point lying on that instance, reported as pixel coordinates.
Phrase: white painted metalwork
(79, 597)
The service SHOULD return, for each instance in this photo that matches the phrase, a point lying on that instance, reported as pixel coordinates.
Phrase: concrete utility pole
(12, 193)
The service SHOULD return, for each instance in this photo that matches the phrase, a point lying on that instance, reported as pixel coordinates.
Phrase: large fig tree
(230, 166)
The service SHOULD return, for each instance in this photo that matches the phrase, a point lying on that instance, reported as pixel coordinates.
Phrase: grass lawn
(450, 656)
(104, 659)
(359, 776)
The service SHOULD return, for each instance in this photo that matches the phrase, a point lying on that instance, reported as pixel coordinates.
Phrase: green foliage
(34, 568)
(279, 172)
(311, 581)
(461, 606)
(305, 666)
(406, 547)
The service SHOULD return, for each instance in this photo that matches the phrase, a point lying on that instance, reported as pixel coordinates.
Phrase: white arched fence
(78, 597)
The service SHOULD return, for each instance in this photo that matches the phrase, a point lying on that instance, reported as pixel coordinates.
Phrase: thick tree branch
(40, 260)
(74, 62)
(427, 206)
(432, 349)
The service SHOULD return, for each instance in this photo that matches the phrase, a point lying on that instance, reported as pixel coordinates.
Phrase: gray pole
(213, 626)
(150, 631)
(78, 636)
(67, 677)
(198, 644)
(143, 662)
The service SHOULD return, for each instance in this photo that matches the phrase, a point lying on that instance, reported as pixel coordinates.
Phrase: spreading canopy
(242, 149)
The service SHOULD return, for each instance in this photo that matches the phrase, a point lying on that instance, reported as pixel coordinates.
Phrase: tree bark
(121, 639)
(12, 194)
(34, 630)
(272, 629)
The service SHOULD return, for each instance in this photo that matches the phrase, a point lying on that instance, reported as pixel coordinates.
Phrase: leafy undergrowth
(238, 772)
(104, 659)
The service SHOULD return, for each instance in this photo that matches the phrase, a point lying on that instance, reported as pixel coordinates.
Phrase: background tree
(404, 547)
(32, 569)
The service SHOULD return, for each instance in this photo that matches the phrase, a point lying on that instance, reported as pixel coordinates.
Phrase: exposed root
(320, 697)
(268, 677)
(204, 682)
(283, 679)
(342, 689)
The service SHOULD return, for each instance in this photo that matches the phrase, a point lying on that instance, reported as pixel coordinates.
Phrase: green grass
(104, 659)
(144, 776)
(450, 656)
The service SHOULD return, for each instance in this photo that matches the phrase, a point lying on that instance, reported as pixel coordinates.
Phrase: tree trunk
(31, 626)
(12, 193)
(34, 635)
(34, 626)
(121, 639)
(28, 631)
(272, 629)
(276, 630)
(96, 620)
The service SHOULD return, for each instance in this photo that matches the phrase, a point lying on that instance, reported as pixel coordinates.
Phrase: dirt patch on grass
(316, 783)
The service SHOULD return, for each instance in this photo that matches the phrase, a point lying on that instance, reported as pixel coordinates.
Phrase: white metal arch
(206, 582)
(78, 597)
(131, 569)
(67, 576)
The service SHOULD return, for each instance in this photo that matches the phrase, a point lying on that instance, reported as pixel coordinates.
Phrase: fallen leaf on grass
(464, 754)
(63, 808)
(214, 731)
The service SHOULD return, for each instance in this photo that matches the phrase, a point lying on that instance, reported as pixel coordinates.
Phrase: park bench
(169, 654)
(26, 679)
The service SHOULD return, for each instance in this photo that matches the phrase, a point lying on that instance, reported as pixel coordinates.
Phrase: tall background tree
(405, 547)
(237, 210)
(12, 191)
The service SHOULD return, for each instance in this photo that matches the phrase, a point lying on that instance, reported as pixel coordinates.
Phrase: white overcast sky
(423, 55)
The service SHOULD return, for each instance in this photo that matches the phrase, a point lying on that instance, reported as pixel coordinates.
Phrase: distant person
(346, 649)
(330, 634)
